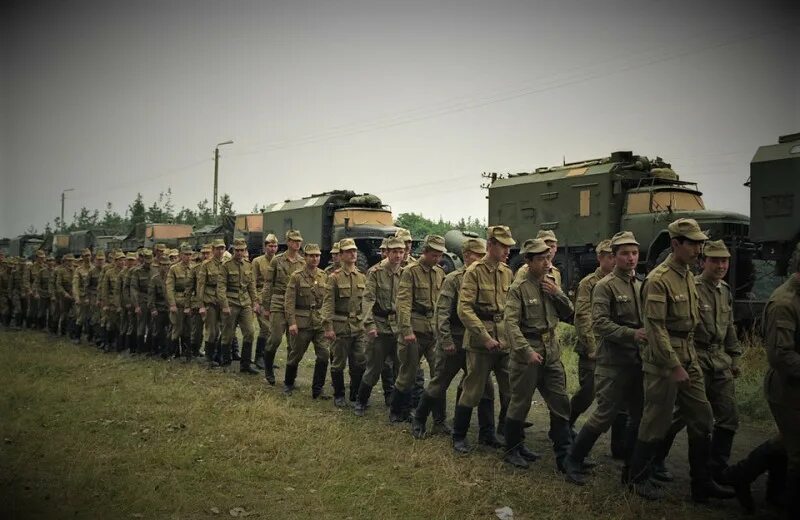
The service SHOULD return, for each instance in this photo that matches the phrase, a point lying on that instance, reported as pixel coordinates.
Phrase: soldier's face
(218, 252)
(627, 257)
(471, 257)
(538, 265)
(606, 261)
(270, 249)
(687, 251)
(100, 262)
(497, 251)
(715, 268)
(312, 261)
(293, 245)
(238, 254)
(119, 262)
(395, 256)
(431, 257)
(553, 248)
(348, 256)
(186, 257)
(335, 257)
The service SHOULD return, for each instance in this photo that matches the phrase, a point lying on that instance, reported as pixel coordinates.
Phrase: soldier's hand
(154, 313)
(256, 308)
(592, 354)
(266, 313)
(173, 308)
(491, 344)
(187, 311)
(640, 335)
(137, 310)
(331, 335)
(226, 310)
(410, 338)
(293, 330)
(202, 311)
(449, 348)
(535, 358)
(550, 287)
(372, 333)
(680, 376)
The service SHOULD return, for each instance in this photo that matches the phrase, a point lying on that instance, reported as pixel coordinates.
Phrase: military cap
(131, 256)
(119, 255)
(335, 248)
(186, 248)
(146, 253)
(164, 261)
(40, 253)
(624, 238)
(239, 244)
(383, 244)
(348, 243)
(403, 234)
(100, 254)
(547, 235)
(312, 249)
(206, 248)
(161, 247)
(138, 251)
(196, 256)
(536, 246)
(394, 243)
(226, 256)
(687, 228)
(435, 242)
(86, 252)
(173, 252)
(68, 256)
(527, 243)
(50, 258)
(474, 245)
(603, 247)
(218, 242)
(293, 234)
(270, 239)
(716, 249)
(502, 234)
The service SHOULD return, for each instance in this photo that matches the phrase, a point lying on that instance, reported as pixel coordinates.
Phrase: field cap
(687, 228)
(403, 234)
(293, 234)
(624, 238)
(502, 234)
(40, 253)
(100, 254)
(68, 256)
(173, 252)
(603, 247)
(239, 244)
(546, 235)
(312, 249)
(146, 253)
(206, 248)
(435, 242)
(131, 256)
(716, 249)
(335, 248)
(119, 255)
(394, 243)
(186, 248)
(161, 247)
(536, 246)
(474, 245)
(218, 242)
(386, 241)
(164, 261)
(270, 239)
(348, 243)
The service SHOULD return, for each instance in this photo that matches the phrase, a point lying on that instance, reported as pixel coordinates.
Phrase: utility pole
(63, 196)
(216, 171)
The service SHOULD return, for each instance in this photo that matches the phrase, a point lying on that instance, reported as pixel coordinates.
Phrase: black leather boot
(269, 371)
(746, 471)
(439, 414)
(261, 343)
(387, 382)
(721, 445)
(420, 417)
(355, 383)
(362, 399)
(703, 486)
(318, 381)
(486, 435)
(573, 463)
(289, 375)
(618, 436)
(513, 442)
(639, 472)
(398, 411)
(337, 380)
(244, 362)
(461, 418)
(561, 436)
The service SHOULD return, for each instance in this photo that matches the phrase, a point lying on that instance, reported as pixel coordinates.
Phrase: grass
(92, 435)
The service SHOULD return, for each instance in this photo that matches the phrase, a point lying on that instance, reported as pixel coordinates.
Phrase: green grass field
(93, 435)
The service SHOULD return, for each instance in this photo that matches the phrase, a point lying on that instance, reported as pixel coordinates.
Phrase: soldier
(177, 282)
(718, 351)
(280, 269)
(334, 263)
(552, 242)
(194, 300)
(452, 357)
(5, 274)
(80, 287)
(379, 319)
(341, 318)
(417, 292)
(30, 279)
(672, 375)
(173, 256)
(617, 321)
(127, 324)
(92, 291)
(260, 268)
(405, 236)
(236, 294)
(63, 287)
(302, 305)
(209, 274)
(384, 248)
(111, 296)
(586, 349)
(533, 309)
(139, 286)
(159, 250)
(42, 287)
(159, 308)
(481, 304)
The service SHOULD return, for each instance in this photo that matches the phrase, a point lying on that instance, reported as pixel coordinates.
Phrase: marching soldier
(80, 287)
(481, 304)
(111, 296)
(236, 294)
(209, 274)
(405, 236)
(380, 319)
(260, 268)
(417, 292)
(42, 287)
(672, 375)
(92, 293)
(194, 300)
(139, 286)
(30, 282)
(280, 269)
(177, 282)
(63, 287)
(617, 321)
(334, 263)
(552, 242)
(341, 318)
(127, 315)
(533, 309)
(159, 308)
(303, 304)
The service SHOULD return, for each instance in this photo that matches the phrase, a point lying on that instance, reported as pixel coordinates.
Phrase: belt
(428, 314)
(488, 316)
(707, 346)
(305, 307)
(682, 334)
(381, 313)
(347, 314)
(534, 335)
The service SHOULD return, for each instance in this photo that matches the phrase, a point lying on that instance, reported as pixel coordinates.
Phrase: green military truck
(25, 246)
(588, 201)
(148, 235)
(325, 218)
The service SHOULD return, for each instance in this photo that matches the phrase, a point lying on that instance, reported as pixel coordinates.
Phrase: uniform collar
(622, 275)
(708, 281)
(489, 263)
(682, 270)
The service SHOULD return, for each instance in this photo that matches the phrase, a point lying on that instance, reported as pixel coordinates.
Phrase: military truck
(148, 234)
(4, 243)
(25, 246)
(325, 218)
(585, 202)
(249, 228)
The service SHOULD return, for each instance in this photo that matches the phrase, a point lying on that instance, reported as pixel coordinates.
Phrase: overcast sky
(411, 100)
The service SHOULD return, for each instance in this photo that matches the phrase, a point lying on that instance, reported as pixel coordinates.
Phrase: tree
(226, 206)
(112, 221)
(84, 219)
(136, 211)
(161, 209)
(419, 226)
(205, 215)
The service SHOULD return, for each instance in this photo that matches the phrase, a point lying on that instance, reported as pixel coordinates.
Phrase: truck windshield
(677, 201)
(363, 217)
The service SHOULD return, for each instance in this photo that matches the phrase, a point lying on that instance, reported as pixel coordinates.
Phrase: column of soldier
(655, 355)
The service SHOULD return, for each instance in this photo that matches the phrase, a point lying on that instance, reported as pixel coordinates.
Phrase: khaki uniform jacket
(531, 317)
(157, 292)
(177, 283)
(209, 275)
(341, 306)
(80, 282)
(126, 275)
(303, 299)
(671, 313)
(715, 339)
(379, 311)
(140, 284)
(280, 269)
(482, 301)
(522, 273)
(191, 295)
(93, 284)
(782, 338)
(64, 281)
(416, 298)
(260, 269)
(587, 340)
(111, 288)
(617, 314)
(42, 284)
(447, 322)
(237, 285)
